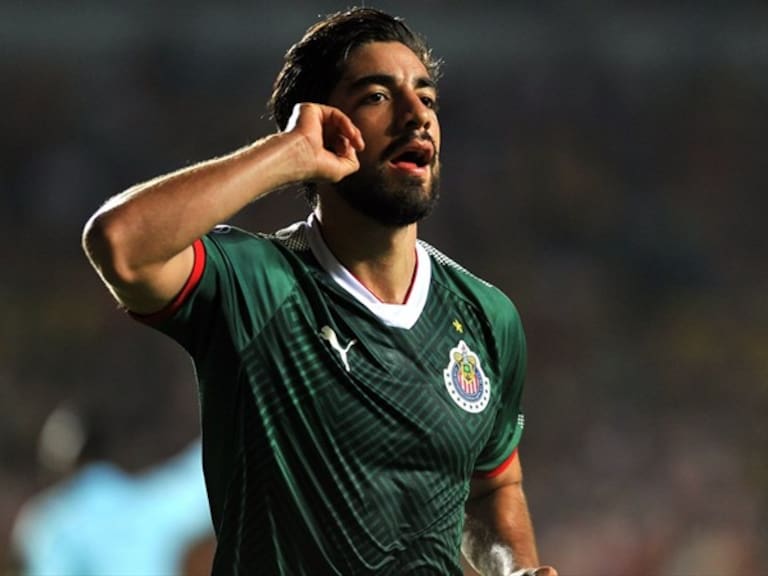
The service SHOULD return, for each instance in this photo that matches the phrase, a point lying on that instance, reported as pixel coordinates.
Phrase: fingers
(341, 146)
(339, 126)
(334, 125)
(333, 141)
(350, 132)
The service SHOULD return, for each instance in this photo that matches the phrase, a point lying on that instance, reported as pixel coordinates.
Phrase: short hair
(314, 65)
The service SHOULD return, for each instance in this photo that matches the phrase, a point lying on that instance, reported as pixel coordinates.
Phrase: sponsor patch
(465, 380)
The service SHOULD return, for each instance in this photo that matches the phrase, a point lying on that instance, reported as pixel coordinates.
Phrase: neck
(383, 259)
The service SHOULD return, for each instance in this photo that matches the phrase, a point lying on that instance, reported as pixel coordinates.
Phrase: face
(387, 93)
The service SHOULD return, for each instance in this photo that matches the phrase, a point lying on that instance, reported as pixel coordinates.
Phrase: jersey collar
(395, 315)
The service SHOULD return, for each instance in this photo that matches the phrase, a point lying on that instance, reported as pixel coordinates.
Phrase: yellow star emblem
(458, 326)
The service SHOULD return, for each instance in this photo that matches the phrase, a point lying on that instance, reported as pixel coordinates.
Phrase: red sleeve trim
(499, 469)
(198, 266)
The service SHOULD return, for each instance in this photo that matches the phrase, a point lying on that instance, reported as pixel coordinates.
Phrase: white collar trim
(395, 315)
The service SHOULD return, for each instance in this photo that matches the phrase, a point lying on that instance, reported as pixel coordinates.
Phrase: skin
(386, 92)
(140, 240)
(498, 533)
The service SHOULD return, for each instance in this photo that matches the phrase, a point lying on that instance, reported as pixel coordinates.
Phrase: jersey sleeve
(501, 447)
(236, 284)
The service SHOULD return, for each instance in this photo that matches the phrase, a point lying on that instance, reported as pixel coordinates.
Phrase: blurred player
(99, 519)
(360, 391)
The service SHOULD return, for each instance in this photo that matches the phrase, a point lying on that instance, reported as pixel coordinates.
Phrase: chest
(425, 397)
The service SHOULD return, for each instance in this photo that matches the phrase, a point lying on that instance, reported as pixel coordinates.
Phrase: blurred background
(604, 164)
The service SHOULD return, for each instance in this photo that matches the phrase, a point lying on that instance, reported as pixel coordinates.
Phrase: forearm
(498, 534)
(140, 241)
(152, 222)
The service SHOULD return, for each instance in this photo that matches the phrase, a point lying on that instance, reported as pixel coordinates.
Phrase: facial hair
(393, 200)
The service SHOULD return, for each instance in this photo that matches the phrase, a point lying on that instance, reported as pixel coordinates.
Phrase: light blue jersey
(104, 522)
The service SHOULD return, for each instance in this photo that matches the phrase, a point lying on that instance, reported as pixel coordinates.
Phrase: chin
(391, 199)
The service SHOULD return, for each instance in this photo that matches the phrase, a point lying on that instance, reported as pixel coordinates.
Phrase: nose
(415, 114)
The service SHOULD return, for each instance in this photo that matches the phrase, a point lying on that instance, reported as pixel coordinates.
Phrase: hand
(332, 141)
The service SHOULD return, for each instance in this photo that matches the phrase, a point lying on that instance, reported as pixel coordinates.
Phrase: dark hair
(315, 63)
(313, 66)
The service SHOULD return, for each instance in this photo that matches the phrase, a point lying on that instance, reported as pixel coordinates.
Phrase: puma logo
(327, 334)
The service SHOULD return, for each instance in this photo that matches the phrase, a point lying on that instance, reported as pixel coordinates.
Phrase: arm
(498, 534)
(140, 241)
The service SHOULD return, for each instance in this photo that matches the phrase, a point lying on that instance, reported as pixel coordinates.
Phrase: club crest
(465, 380)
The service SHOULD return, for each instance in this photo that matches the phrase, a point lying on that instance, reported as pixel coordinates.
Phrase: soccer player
(360, 392)
(99, 519)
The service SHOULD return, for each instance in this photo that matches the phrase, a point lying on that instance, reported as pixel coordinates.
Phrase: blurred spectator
(99, 520)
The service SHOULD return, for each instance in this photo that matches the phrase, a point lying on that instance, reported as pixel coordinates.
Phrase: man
(357, 387)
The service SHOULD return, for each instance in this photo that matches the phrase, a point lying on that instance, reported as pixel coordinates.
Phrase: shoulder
(231, 247)
(239, 242)
(250, 275)
(463, 284)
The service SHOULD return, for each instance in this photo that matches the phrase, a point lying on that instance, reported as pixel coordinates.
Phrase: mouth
(415, 156)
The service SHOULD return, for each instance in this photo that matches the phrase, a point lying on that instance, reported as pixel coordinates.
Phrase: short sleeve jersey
(341, 433)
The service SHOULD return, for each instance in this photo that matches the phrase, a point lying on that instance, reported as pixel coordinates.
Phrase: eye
(429, 102)
(375, 98)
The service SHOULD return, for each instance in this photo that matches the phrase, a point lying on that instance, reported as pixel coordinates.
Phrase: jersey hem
(198, 266)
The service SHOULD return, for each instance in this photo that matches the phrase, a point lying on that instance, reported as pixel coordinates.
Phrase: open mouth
(414, 156)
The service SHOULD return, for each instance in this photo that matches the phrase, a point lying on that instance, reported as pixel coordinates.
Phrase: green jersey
(341, 433)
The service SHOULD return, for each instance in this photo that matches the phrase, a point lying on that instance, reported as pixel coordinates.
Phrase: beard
(392, 200)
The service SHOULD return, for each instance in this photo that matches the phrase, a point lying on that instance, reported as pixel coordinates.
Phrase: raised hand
(332, 141)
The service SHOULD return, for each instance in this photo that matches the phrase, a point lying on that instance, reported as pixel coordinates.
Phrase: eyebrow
(389, 81)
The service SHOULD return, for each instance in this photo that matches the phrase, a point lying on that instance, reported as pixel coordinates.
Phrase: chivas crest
(465, 380)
